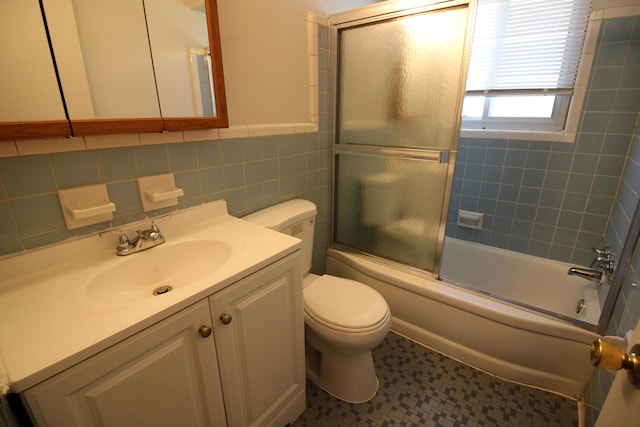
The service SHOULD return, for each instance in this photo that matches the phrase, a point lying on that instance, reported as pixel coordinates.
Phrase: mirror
(181, 57)
(104, 61)
(28, 86)
(133, 66)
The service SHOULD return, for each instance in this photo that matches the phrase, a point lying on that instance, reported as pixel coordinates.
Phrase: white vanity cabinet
(166, 375)
(248, 371)
(259, 330)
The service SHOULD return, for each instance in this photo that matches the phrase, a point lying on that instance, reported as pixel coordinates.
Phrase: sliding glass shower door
(400, 85)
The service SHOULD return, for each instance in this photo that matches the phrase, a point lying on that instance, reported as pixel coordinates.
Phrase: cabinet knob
(225, 318)
(205, 331)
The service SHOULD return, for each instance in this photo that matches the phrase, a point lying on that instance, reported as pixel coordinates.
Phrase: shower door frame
(381, 12)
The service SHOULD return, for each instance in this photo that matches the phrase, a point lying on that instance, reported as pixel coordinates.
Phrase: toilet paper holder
(609, 356)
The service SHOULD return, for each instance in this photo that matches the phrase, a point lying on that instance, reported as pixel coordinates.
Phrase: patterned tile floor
(419, 387)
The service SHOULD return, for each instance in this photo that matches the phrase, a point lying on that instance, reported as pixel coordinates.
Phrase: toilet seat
(345, 305)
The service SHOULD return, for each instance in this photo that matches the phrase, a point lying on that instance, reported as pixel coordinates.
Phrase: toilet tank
(295, 218)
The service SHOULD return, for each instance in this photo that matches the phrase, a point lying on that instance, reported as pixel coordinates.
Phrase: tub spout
(586, 273)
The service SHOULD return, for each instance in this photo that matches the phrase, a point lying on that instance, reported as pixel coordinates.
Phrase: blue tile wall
(615, 88)
(554, 199)
(249, 173)
(627, 309)
(238, 170)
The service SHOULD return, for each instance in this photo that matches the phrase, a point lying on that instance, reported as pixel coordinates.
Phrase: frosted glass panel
(400, 80)
(400, 87)
(390, 207)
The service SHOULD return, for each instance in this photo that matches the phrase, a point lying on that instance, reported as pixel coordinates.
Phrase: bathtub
(536, 282)
(495, 336)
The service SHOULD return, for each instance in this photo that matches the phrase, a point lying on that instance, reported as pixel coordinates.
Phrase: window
(524, 61)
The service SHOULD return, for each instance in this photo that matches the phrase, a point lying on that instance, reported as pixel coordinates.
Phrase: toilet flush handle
(225, 318)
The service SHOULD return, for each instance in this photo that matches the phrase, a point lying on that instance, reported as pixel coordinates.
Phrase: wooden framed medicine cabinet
(86, 67)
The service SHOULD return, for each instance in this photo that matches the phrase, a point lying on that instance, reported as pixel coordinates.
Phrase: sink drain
(162, 290)
(580, 305)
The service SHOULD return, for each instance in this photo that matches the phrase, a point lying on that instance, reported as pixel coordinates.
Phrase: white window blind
(527, 44)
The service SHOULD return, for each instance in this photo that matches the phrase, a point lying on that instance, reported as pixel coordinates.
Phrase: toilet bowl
(344, 319)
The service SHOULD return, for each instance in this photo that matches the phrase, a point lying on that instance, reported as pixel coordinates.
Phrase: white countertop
(47, 324)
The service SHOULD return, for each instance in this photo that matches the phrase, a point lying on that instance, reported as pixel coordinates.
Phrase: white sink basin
(156, 271)
(90, 299)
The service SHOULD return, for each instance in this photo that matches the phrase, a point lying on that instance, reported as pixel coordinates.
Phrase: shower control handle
(225, 318)
(606, 250)
(608, 356)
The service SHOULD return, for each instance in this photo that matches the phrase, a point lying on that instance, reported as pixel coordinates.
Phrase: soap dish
(91, 209)
(88, 205)
(158, 191)
(157, 195)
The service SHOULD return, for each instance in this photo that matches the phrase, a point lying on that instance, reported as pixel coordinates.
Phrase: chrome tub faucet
(586, 273)
(601, 267)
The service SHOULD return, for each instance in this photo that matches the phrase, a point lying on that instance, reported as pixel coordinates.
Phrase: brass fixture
(225, 318)
(608, 356)
(205, 331)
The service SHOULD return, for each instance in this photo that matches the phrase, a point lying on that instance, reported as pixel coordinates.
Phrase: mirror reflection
(110, 66)
(28, 86)
(179, 41)
(130, 59)
(102, 51)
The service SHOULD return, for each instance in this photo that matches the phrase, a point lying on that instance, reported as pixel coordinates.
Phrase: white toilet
(344, 319)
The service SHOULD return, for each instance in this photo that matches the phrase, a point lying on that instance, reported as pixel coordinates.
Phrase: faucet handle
(604, 251)
(154, 227)
(597, 261)
(123, 241)
(604, 262)
(153, 232)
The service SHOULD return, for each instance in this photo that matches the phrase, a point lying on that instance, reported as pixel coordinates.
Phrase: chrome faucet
(145, 239)
(586, 273)
(601, 266)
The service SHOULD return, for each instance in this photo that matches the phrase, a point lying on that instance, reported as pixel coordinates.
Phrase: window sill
(560, 136)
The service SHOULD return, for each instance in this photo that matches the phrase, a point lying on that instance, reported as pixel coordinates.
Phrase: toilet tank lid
(279, 217)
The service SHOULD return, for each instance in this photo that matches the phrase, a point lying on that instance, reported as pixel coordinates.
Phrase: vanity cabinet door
(166, 375)
(259, 330)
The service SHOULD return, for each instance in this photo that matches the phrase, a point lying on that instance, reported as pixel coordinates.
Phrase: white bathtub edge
(503, 312)
(485, 363)
(495, 337)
